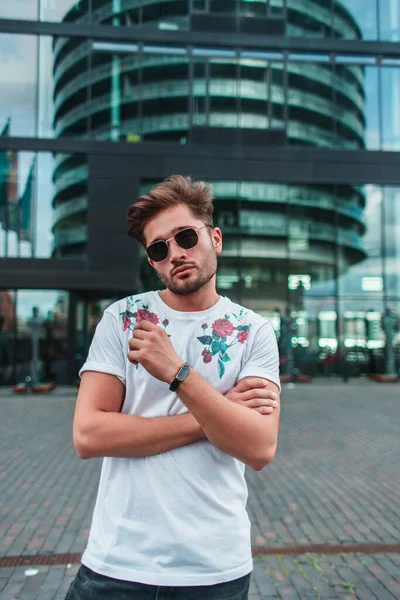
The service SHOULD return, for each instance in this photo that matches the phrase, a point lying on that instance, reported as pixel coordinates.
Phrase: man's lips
(181, 270)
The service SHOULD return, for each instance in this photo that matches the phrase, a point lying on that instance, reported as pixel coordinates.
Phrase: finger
(139, 334)
(264, 393)
(249, 383)
(264, 410)
(133, 357)
(135, 344)
(257, 402)
(145, 325)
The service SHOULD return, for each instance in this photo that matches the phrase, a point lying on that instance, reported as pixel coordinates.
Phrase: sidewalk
(335, 480)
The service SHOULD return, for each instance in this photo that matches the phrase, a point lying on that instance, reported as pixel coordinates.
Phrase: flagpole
(6, 132)
(34, 183)
(33, 207)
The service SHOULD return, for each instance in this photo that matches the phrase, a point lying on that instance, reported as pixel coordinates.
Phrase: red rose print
(145, 315)
(207, 357)
(127, 322)
(242, 336)
(222, 327)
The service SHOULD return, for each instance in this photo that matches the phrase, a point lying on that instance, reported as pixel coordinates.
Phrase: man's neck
(200, 300)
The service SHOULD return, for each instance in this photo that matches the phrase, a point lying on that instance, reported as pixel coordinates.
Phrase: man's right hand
(253, 393)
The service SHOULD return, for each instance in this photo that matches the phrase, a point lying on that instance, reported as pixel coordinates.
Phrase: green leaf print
(224, 357)
(242, 327)
(215, 348)
(205, 339)
(215, 336)
(221, 368)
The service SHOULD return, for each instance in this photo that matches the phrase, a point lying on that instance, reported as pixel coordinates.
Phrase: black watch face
(183, 372)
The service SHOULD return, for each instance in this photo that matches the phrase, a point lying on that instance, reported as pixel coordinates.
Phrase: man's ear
(217, 239)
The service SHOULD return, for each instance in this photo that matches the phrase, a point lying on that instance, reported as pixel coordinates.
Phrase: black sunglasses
(185, 238)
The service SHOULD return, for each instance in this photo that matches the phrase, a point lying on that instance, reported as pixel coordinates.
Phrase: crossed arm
(235, 422)
(100, 429)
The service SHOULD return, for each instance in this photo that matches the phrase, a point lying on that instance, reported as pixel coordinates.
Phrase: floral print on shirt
(138, 311)
(134, 314)
(223, 335)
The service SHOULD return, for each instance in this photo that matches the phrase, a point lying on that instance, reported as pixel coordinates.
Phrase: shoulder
(245, 317)
(131, 304)
(133, 309)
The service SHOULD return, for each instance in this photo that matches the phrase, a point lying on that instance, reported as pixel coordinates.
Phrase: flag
(11, 220)
(25, 208)
(4, 176)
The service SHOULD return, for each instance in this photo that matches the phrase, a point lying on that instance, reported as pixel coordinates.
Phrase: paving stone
(324, 485)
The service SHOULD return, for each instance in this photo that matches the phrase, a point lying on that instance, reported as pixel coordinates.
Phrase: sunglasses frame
(166, 242)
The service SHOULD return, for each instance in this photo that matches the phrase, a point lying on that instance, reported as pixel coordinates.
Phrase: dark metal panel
(203, 38)
(110, 195)
(289, 164)
(59, 274)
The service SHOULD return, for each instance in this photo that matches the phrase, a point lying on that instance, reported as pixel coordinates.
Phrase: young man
(179, 392)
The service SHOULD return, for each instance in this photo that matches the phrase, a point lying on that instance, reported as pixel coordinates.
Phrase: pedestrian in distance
(179, 392)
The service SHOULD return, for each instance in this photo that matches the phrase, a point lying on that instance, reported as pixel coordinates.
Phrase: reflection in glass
(18, 84)
(389, 20)
(44, 10)
(362, 334)
(362, 12)
(391, 229)
(43, 204)
(390, 114)
(41, 336)
(7, 341)
(371, 108)
(360, 278)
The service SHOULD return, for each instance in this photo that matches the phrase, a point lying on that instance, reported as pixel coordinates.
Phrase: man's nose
(175, 251)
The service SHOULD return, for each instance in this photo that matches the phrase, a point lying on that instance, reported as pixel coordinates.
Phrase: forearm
(232, 428)
(129, 436)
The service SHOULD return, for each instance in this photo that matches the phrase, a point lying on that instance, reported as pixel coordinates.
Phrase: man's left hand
(253, 393)
(151, 347)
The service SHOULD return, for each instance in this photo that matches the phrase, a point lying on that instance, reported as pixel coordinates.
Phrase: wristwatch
(180, 376)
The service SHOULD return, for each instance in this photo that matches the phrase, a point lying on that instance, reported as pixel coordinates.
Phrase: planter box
(40, 388)
(384, 378)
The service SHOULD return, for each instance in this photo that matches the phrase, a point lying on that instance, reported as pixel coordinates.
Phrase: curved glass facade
(316, 253)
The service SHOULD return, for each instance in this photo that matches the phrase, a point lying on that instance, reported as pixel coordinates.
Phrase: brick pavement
(335, 479)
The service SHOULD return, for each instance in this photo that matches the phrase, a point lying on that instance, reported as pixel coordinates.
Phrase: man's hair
(173, 191)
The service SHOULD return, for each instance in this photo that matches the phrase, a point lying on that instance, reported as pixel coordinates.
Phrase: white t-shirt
(177, 518)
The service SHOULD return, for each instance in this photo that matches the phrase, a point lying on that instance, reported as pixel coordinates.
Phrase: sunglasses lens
(187, 238)
(157, 251)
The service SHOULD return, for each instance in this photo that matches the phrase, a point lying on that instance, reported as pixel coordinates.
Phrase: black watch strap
(180, 376)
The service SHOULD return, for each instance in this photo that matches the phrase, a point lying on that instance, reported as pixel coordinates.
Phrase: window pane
(165, 92)
(355, 19)
(7, 338)
(43, 204)
(391, 236)
(371, 108)
(310, 104)
(389, 20)
(18, 84)
(362, 334)
(43, 86)
(166, 15)
(360, 256)
(46, 10)
(390, 114)
(41, 342)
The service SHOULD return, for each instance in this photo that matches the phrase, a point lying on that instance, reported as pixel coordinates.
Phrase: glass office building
(291, 109)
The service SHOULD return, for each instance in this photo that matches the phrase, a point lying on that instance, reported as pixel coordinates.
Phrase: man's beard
(191, 285)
